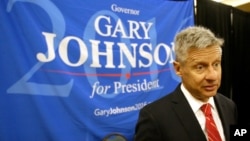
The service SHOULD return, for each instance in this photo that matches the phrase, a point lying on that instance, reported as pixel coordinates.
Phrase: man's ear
(177, 67)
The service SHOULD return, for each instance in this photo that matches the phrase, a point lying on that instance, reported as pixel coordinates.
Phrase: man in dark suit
(178, 115)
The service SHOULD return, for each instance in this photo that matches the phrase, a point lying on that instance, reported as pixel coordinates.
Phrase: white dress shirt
(196, 104)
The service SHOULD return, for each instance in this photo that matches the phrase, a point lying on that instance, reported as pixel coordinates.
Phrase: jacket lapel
(220, 105)
(187, 117)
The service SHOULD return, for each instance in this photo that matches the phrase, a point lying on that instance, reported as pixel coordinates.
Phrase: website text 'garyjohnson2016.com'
(118, 110)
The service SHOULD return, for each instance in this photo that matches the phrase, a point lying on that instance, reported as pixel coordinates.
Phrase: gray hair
(194, 37)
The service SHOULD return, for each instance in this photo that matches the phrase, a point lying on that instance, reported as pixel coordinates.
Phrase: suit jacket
(172, 119)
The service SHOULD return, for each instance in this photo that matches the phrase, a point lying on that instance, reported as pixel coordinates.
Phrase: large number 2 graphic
(22, 86)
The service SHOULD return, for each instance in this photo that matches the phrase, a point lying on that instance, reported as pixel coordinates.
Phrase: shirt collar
(195, 103)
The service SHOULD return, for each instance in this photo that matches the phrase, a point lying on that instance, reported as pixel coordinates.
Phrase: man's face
(201, 72)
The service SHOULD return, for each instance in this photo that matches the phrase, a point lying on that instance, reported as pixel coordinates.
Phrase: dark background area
(233, 25)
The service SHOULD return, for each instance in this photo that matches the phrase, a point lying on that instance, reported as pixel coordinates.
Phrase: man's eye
(199, 67)
(216, 65)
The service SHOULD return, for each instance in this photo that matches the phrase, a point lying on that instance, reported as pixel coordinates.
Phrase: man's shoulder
(224, 98)
(161, 102)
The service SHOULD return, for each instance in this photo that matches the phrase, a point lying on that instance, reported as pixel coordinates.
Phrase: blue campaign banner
(81, 70)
